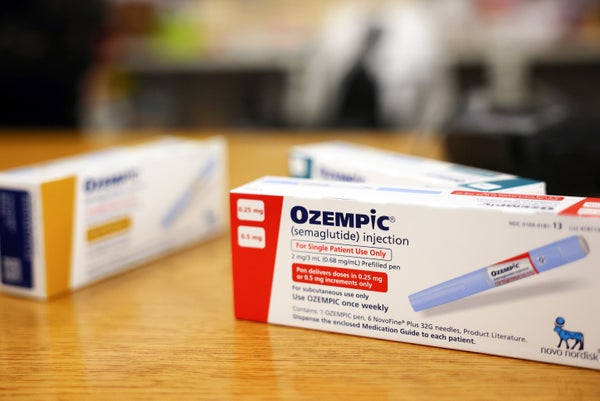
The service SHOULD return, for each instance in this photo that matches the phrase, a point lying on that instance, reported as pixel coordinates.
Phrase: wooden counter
(166, 330)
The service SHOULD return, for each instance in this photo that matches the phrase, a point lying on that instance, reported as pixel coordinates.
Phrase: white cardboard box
(506, 274)
(70, 222)
(344, 161)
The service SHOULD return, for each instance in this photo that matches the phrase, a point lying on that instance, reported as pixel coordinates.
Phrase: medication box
(72, 221)
(506, 274)
(342, 161)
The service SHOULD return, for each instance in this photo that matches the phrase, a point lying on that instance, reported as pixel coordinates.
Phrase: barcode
(12, 271)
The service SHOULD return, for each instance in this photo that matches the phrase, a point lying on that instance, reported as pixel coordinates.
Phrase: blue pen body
(188, 196)
(538, 260)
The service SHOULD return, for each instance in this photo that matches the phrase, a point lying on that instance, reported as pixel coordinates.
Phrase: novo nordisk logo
(301, 215)
(566, 335)
(568, 342)
(95, 184)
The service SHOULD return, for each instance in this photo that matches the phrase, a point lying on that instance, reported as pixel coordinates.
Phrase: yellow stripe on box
(106, 229)
(58, 201)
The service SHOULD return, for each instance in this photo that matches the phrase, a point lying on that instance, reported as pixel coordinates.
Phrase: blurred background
(508, 85)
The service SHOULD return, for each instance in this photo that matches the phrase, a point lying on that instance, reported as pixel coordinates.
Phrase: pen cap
(451, 290)
(559, 253)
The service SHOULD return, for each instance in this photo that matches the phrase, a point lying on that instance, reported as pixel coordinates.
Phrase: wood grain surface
(166, 330)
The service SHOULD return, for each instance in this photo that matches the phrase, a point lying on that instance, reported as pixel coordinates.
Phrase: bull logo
(566, 335)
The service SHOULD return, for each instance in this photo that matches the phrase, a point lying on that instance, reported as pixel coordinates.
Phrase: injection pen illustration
(186, 198)
(535, 261)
